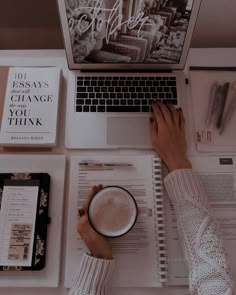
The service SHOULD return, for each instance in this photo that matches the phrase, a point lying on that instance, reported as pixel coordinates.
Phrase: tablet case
(42, 219)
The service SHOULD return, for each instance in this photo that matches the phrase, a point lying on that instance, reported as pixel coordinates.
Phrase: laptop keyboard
(123, 93)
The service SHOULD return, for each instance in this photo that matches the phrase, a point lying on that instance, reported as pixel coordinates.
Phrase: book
(150, 255)
(141, 43)
(24, 203)
(129, 50)
(213, 95)
(30, 112)
(54, 165)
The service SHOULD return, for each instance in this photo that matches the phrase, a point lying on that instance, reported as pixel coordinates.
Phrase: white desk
(197, 57)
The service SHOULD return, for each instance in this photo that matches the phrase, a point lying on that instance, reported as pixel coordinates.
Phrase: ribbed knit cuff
(93, 276)
(184, 184)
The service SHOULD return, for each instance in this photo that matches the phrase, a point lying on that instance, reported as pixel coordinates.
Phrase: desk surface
(197, 57)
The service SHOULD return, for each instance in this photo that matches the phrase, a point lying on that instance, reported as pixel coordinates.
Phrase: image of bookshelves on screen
(128, 31)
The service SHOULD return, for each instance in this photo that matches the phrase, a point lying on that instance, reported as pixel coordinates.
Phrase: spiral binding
(159, 219)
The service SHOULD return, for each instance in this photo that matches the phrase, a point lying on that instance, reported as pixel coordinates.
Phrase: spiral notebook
(143, 258)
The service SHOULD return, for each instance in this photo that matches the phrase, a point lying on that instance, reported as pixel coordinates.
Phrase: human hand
(97, 244)
(168, 136)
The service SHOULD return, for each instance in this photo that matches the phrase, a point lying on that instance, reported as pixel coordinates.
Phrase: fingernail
(81, 212)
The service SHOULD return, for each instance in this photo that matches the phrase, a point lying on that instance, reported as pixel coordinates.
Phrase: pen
(209, 114)
(98, 164)
(215, 104)
(230, 110)
(222, 104)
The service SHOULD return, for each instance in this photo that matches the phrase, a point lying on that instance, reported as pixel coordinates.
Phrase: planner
(24, 204)
(141, 255)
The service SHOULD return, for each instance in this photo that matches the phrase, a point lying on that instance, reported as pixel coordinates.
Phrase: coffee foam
(112, 211)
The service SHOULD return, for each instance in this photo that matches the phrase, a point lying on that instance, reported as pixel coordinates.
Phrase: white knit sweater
(209, 272)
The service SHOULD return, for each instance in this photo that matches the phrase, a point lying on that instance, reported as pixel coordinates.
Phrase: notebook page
(135, 253)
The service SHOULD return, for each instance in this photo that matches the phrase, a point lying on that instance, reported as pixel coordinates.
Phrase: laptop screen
(128, 31)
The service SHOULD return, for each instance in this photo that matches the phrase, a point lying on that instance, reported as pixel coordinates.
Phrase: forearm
(93, 276)
(202, 244)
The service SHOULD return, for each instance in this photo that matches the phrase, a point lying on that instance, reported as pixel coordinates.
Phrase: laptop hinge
(124, 70)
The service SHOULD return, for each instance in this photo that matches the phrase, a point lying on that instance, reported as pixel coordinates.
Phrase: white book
(150, 255)
(30, 112)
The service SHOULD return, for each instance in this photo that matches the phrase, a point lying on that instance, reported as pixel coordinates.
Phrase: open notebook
(150, 254)
(140, 255)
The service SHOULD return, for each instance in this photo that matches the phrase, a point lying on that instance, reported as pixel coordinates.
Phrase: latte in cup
(112, 212)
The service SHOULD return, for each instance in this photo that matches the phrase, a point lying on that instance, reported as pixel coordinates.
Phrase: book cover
(30, 110)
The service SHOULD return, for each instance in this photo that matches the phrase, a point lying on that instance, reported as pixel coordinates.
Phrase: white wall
(35, 24)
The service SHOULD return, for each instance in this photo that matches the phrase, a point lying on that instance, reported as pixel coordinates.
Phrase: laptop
(122, 56)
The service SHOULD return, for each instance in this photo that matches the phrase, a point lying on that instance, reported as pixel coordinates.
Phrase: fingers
(158, 116)
(154, 129)
(81, 212)
(175, 114)
(93, 192)
(181, 119)
(165, 114)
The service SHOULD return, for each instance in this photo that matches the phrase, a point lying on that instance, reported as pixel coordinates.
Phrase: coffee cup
(113, 211)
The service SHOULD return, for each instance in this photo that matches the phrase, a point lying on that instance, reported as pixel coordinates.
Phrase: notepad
(54, 165)
(23, 220)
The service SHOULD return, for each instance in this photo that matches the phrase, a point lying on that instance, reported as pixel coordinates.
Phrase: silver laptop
(122, 55)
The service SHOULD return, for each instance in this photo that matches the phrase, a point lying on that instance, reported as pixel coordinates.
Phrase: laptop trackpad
(128, 131)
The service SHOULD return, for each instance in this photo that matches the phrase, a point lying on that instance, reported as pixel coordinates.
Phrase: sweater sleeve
(203, 248)
(93, 276)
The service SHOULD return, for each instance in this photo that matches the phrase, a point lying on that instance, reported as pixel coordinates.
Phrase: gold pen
(99, 164)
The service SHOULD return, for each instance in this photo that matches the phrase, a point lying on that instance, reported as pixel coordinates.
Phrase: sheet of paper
(219, 180)
(17, 224)
(136, 253)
